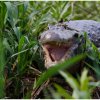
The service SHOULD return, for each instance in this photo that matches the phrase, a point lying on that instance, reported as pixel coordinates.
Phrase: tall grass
(2, 49)
(2, 64)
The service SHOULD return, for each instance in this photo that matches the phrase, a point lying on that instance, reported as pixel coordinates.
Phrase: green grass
(21, 57)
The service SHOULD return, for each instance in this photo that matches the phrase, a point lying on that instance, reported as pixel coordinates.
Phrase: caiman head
(59, 43)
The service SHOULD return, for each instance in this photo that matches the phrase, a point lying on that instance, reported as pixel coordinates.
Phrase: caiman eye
(76, 35)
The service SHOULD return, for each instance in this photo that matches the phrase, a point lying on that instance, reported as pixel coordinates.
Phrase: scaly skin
(67, 33)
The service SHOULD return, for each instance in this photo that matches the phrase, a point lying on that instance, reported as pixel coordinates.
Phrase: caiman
(60, 41)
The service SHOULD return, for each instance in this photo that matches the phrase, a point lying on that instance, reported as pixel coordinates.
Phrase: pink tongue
(57, 53)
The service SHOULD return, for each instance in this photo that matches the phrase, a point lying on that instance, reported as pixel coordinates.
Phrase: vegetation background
(21, 59)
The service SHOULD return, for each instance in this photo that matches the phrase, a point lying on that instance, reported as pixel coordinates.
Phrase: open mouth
(55, 53)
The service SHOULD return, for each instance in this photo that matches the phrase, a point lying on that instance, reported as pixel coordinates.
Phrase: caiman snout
(58, 45)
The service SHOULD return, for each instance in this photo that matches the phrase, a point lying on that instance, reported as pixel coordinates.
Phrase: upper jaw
(57, 35)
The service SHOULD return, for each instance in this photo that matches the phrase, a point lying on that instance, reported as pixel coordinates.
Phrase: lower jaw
(77, 68)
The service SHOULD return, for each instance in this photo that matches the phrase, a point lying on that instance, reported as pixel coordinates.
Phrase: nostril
(76, 35)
